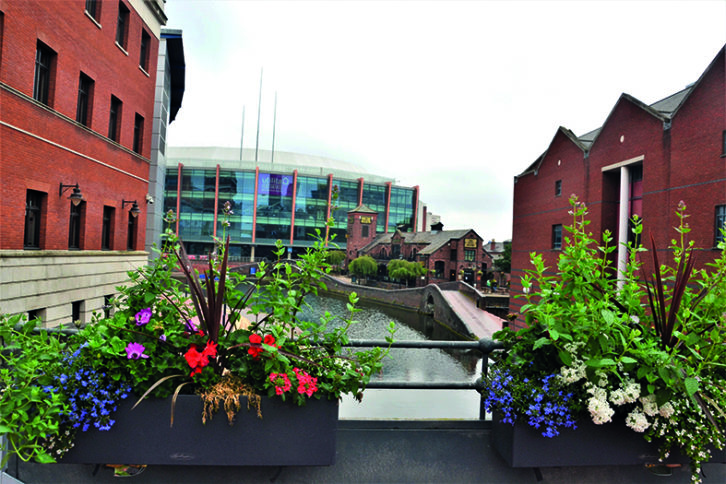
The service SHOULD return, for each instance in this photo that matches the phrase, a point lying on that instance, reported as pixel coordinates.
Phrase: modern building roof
(279, 162)
(177, 64)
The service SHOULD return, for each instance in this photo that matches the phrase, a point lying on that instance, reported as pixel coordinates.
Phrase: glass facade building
(271, 202)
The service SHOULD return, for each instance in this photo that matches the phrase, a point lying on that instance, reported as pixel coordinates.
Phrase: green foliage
(218, 333)
(504, 262)
(403, 270)
(28, 415)
(363, 266)
(661, 369)
(335, 257)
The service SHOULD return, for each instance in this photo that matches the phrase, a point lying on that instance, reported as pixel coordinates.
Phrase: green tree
(405, 271)
(335, 258)
(363, 266)
(504, 262)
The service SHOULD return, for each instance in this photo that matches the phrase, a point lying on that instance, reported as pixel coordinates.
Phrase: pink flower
(281, 382)
(143, 317)
(307, 385)
(134, 351)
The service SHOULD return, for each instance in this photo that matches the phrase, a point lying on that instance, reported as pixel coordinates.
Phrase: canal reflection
(408, 365)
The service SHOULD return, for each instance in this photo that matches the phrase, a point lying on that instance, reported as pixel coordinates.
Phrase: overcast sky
(456, 97)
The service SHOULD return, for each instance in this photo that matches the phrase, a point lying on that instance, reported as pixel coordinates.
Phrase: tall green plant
(652, 349)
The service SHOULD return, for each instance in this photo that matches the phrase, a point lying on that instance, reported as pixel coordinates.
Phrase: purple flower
(162, 337)
(190, 327)
(134, 351)
(143, 317)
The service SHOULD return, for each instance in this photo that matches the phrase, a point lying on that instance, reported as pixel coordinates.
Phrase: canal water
(404, 364)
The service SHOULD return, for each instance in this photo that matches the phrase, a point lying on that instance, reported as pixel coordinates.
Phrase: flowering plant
(175, 331)
(619, 346)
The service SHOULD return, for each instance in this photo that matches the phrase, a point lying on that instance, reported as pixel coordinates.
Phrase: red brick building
(77, 88)
(449, 255)
(643, 160)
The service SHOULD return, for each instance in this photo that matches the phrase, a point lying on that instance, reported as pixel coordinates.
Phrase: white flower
(667, 410)
(571, 374)
(650, 407)
(632, 391)
(637, 421)
(600, 410)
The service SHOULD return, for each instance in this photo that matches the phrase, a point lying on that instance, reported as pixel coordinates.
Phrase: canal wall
(428, 300)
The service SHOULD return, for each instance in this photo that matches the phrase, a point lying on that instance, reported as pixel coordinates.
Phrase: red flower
(210, 349)
(193, 356)
(198, 360)
(256, 350)
(269, 340)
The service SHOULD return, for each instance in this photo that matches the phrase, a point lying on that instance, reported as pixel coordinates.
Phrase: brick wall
(42, 146)
(681, 158)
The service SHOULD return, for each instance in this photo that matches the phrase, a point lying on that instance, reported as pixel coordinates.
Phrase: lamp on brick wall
(135, 210)
(75, 197)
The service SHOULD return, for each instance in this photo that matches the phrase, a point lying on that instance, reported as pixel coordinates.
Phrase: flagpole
(259, 107)
(274, 124)
(242, 136)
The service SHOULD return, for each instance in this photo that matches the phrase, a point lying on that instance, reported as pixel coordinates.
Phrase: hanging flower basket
(286, 435)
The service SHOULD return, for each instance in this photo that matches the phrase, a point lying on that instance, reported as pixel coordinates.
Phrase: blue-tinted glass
(274, 207)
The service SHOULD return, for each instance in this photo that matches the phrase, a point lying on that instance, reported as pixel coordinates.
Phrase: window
(138, 133)
(107, 228)
(453, 254)
(635, 198)
(144, 54)
(38, 314)
(122, 25)
(44, 57)
(83, 108)
(439, 266)
(723, 143)
(76, 311)
(558, 188)
(557, 237)
(395, 251)
(720, 221)
(74, 226)
(131, 234)
(33, 213)
(364, 231)
(114, 118)
(107, 305)
(93, 8)
(469, 255)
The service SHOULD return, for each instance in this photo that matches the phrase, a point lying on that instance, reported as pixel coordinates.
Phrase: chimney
(493, 246)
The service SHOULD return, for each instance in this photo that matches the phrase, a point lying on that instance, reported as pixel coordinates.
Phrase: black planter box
(286, 435)
(589, 445)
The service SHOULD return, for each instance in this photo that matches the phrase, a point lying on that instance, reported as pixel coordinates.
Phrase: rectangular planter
(286, 435)
(588, 445)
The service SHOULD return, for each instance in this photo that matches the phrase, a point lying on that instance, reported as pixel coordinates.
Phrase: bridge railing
(485, 346)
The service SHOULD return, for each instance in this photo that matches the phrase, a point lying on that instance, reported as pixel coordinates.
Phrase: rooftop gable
(665, 110)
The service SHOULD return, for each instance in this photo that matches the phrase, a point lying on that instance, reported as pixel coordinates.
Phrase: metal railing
(485, 346)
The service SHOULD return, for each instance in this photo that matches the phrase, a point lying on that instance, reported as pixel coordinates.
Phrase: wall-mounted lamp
(135, 210)
(75, 197)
